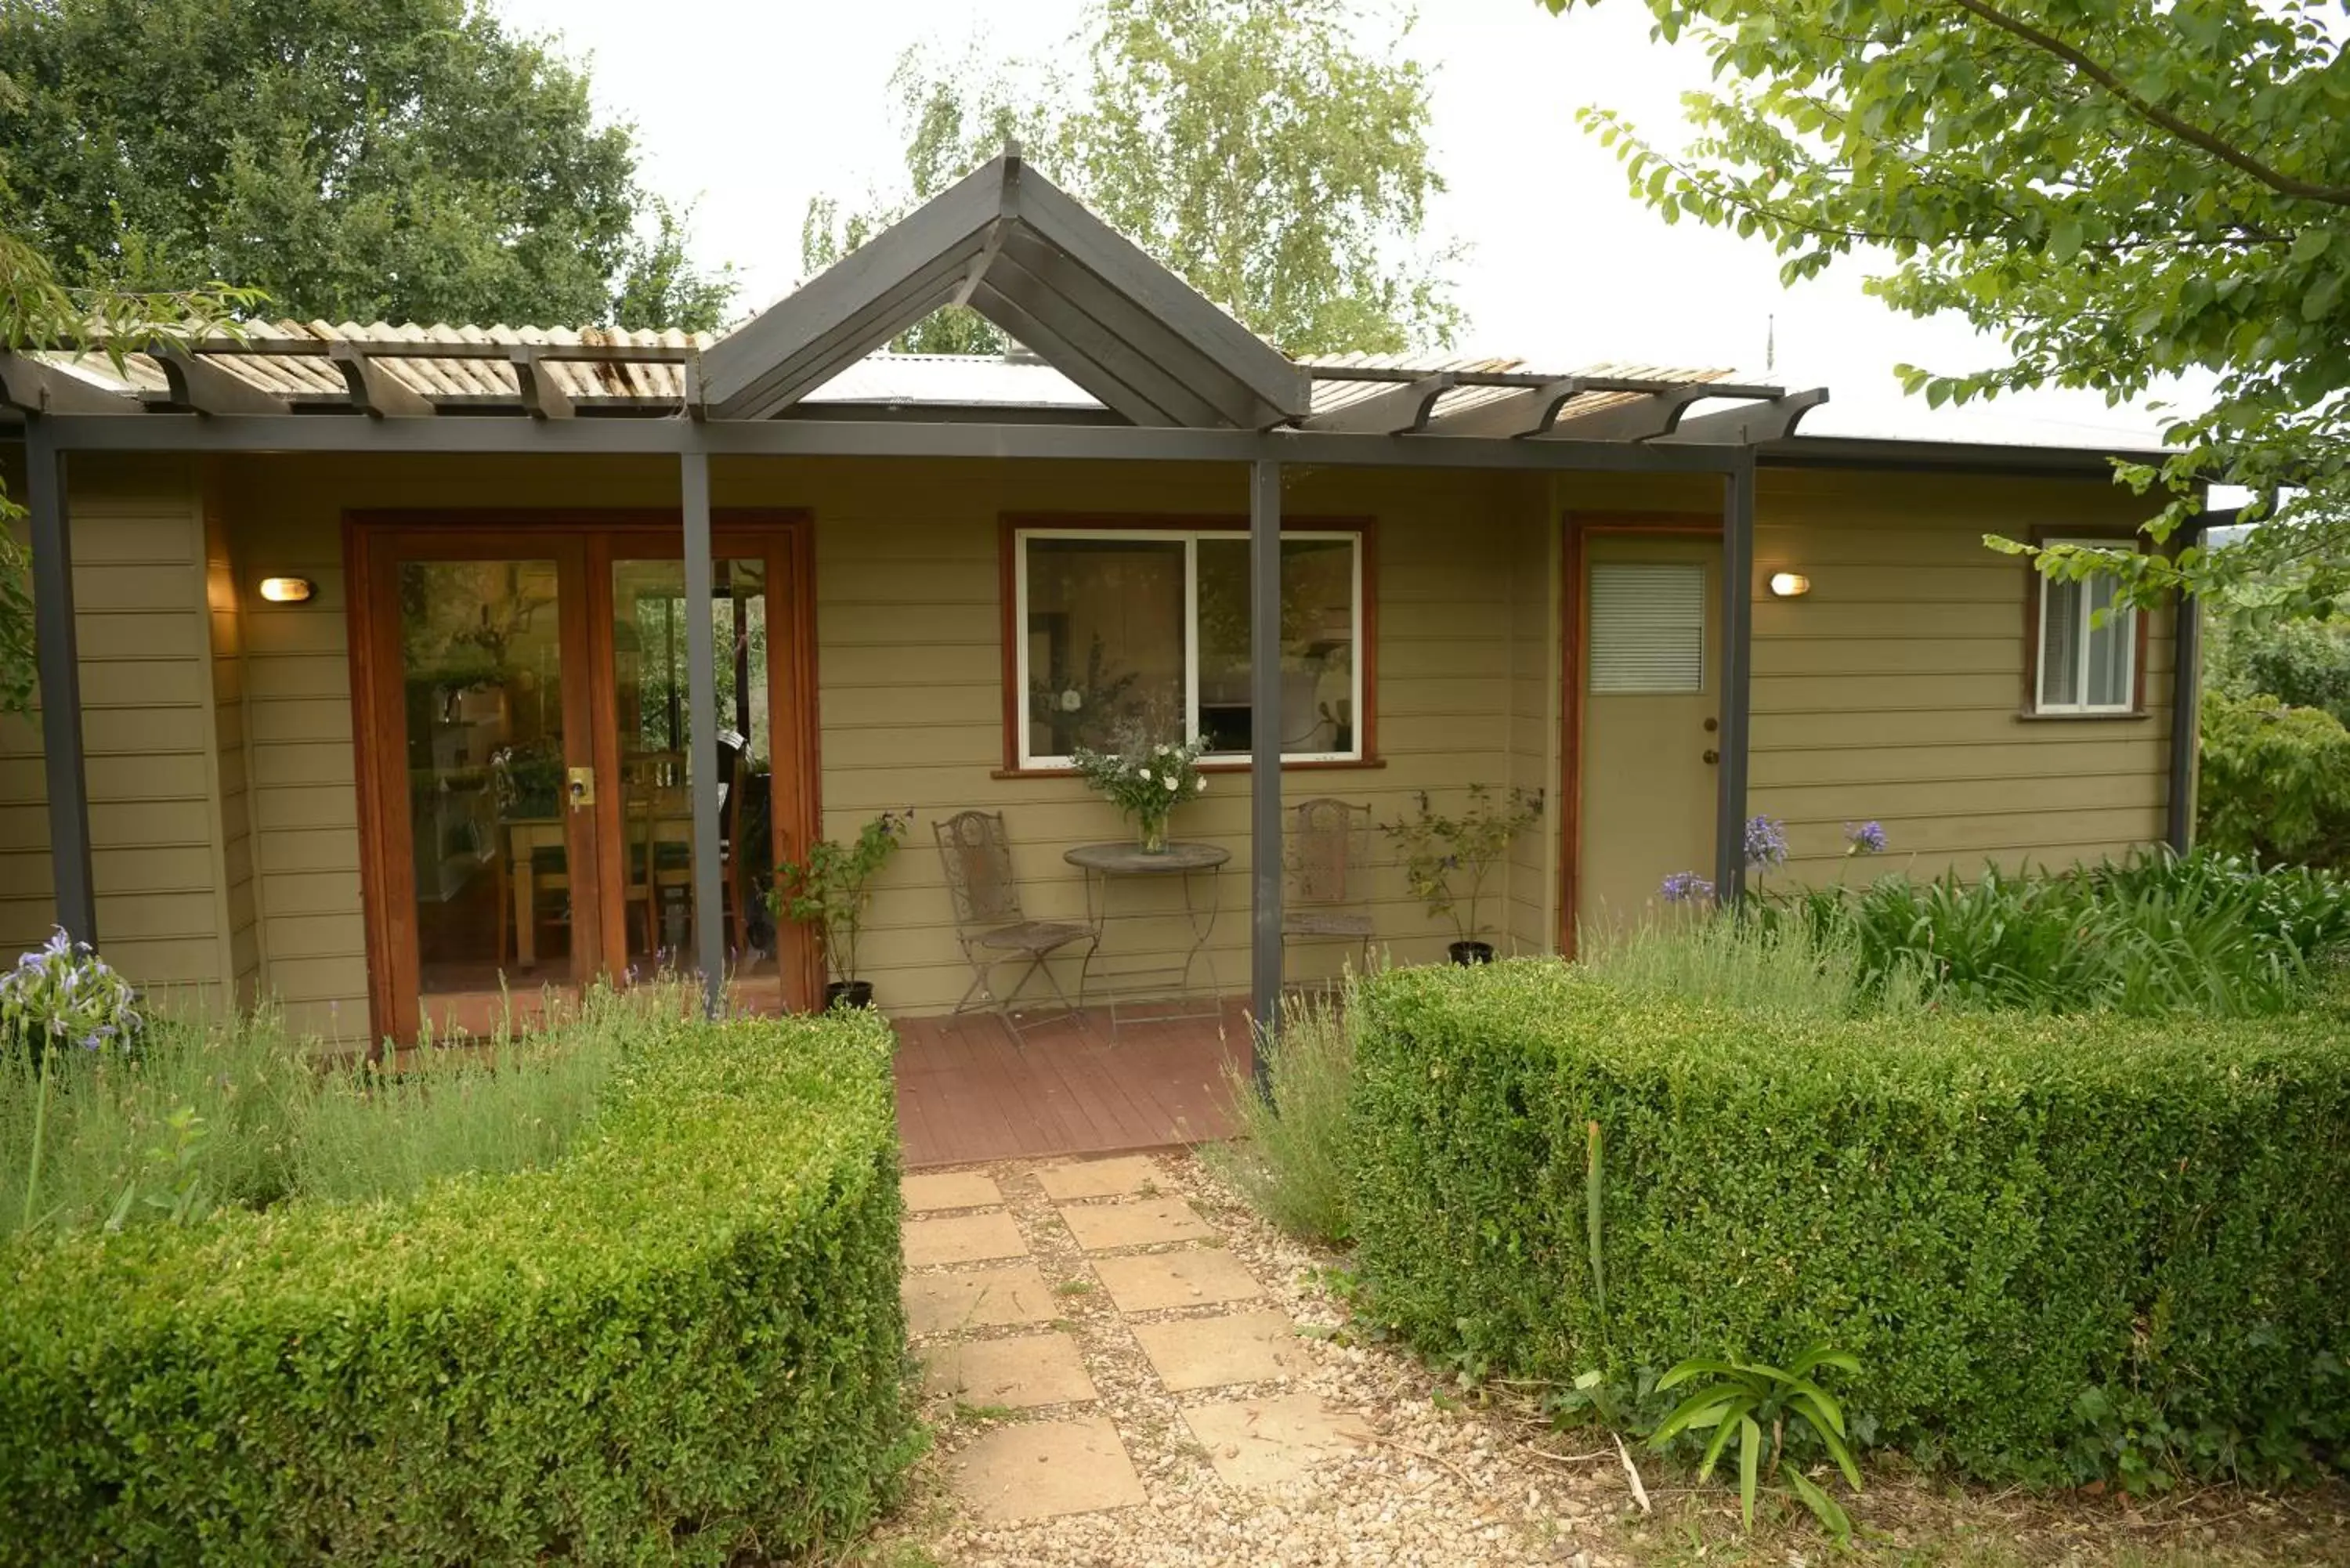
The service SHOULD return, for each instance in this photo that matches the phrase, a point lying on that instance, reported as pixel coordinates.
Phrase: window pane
(481, 651)
(1647, 627)
(1317, 646)
(651, 678)
(2060, 644)
(2110, 647)
(1105, 641)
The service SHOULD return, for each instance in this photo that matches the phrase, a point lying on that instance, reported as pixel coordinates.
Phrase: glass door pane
(659, 756)
(481, 650)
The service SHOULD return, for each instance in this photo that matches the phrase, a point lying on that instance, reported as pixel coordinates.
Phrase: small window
(2088, 646)
(1150, 628)
(1647, 627)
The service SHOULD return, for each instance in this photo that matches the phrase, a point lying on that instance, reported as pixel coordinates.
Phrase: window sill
(1346, 765)
(2032, 716)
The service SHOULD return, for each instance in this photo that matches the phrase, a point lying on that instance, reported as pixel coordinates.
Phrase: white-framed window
(1149, 628)
(2087, 656)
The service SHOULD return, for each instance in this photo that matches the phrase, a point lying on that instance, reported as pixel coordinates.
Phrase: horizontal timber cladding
(163, 750)
(1893, 691)
(910, 685)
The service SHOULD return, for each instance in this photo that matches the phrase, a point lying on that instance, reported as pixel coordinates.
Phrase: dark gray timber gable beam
(1654, 415)
(1400, 411)
(38, 388)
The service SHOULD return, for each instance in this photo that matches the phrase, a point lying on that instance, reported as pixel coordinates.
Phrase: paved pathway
(1112, 1381)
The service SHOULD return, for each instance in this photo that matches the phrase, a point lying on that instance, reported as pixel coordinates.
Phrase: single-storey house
(373, 679)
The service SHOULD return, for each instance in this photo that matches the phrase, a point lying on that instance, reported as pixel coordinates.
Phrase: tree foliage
(1271, 152)
(353, 158)
(2127, 191)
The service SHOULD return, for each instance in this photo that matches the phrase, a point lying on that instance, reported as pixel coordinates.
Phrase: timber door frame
(1577, 529)
(583, 542)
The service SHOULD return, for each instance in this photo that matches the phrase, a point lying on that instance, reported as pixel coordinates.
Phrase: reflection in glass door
(658, 757)
(482, 667)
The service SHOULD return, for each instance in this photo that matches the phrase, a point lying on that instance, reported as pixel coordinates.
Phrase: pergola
(1177, 377)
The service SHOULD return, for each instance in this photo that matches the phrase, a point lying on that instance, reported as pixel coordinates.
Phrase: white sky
(751, 107)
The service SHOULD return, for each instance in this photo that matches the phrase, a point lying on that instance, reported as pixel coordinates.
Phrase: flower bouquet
(1145, 780)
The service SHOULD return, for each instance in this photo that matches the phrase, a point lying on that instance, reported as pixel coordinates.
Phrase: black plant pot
(848, 994)
(1467, 954)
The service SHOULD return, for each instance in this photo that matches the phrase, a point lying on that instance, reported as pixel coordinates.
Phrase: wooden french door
(526, 756)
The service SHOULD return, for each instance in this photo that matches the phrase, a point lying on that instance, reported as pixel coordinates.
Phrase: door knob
(1712, 725)
(1711, 756)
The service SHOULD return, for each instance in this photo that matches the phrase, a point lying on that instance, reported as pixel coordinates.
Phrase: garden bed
(680, 1337)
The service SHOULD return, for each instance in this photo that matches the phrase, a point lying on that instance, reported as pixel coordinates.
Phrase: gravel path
(1327, 1451)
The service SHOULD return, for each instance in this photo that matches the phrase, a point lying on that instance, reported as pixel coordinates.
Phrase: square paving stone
(976, 1298)
(1031, 1370)
(1260, 1443)
(1208, 1352)
(1198, 1277)
(1038, 1469)
(1098, 1177)
(963, 1239)
(1136, 1222)
(950, 1190)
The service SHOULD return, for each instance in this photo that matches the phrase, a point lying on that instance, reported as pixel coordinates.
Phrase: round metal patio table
(1167, 988)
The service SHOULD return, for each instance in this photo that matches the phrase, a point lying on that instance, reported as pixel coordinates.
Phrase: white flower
(1072, 699)
(1171, 784)
(1200, 784)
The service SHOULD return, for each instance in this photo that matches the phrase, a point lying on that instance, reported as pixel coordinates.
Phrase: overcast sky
(750, 107)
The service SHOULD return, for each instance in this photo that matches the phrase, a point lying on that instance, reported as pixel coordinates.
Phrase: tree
(352, 159)
(1265, 150)
(2127, 191)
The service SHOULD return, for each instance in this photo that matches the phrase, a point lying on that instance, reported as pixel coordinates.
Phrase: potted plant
(1146, 780)
(1446, 858)
(831, 890)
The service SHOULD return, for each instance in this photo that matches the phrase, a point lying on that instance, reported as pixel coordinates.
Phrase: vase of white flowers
(1146, 780)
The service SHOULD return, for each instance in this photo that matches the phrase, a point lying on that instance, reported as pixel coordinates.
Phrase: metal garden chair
(1327, 875)
(990, 925)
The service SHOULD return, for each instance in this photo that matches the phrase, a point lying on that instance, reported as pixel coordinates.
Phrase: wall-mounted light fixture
(1790, 584)
(287, 590)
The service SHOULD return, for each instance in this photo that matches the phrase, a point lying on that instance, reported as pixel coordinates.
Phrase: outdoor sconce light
(1790, 584)
(287, 590)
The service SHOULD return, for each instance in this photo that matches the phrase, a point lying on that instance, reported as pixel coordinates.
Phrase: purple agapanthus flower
(1766, 842)
(1864, 838)
(1685, 887)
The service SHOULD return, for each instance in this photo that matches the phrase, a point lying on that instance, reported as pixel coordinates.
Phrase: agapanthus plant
(63, 996)
(1864, 838)
(1686, 888)
(1145, 779)
(1766, 843)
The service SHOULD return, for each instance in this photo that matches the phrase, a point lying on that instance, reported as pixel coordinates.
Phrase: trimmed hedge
(2059, 1247)
(680, 1342)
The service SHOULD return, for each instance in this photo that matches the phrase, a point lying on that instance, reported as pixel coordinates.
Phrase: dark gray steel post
(2186, 699)
(1737, 662)
(66, 777)
(701, 724)
(1264, 757)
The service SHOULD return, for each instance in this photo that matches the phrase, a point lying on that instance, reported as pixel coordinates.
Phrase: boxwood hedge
(2059, 1247)
(682, 1341)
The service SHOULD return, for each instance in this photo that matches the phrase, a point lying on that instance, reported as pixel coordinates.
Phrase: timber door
(1649, 690)
(527, 757)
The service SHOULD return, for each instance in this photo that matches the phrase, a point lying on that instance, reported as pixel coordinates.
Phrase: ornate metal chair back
(977, 858)
(1329, 845)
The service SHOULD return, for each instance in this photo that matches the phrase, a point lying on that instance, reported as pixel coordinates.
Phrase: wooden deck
(968, 1091)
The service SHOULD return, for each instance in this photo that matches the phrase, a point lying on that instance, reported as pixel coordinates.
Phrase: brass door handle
(1711, 756)
(582, 782)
